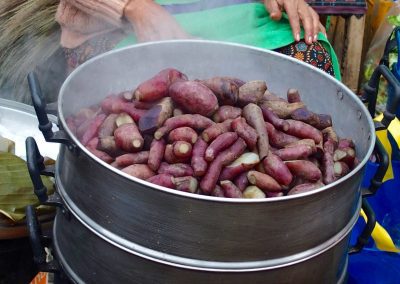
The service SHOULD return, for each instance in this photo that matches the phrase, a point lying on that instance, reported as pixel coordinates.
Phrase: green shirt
(239, 21)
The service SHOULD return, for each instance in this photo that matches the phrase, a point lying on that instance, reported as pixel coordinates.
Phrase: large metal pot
(200, 231)
(86, 257)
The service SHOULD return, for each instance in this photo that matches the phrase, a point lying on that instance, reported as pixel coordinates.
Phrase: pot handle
(363, 238)
(38, 241)
(376, 181)
(45, 125)
(36, 168)
(371, 91)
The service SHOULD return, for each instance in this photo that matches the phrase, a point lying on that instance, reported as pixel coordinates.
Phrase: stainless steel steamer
(179, 231)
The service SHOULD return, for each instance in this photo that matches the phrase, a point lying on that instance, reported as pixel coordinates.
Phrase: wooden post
(351, 62)
(339, 38)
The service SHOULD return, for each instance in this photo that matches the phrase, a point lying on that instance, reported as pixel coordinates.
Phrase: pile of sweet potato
(221, 137)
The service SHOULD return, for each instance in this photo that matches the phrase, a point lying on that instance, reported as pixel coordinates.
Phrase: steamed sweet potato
(271, 117)
(220, 143)
(253, 115)
(123, 118)
(194, 121)
(156, 154)
(108, 126)
(294, 153)
(194, 97)
(198, 162)
(270, 194)
(176, 170)
(93, 143)
(303, 130)
(263, 181)
(186, 184)
(108, 145)
(281, 108)
(328, 170)
(341, 169)
(162, 180)
(93, 128)
(253, 192)
(251, 92)
(330, 134)
(170, 157)
(226, 112)
(156, 116)
(183, 134)
(141, 171)
(268, 96)
(112, 104)
(245, 131)
(244, 163)
(182, 149)
(157, 87)
(177, 111)
(224, 158)
(215, 130)
(319, 121)
(83, 115)
(346, 155)
(293, 96)
(116, 104)
(305, 187)
(128, 137)
(277, 138)
(304, 169)
(225, 89)
(241, 181)
(230, 189)
(217, 192)
(101, 155)
(277, 169)
(132, 158)
(346, 143)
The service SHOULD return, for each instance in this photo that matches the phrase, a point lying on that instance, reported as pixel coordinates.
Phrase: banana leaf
(16, 189)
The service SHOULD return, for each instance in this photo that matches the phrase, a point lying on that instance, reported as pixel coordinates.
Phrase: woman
(91, 27)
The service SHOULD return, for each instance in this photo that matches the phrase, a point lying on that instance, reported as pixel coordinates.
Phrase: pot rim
(362, 109)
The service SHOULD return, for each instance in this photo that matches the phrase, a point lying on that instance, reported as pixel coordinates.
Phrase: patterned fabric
(91, 48)
(314, 54)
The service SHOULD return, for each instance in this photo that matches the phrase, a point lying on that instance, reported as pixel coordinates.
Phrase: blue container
(372, 266)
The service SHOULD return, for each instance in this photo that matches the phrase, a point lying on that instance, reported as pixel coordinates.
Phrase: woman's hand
(299, 12)
(151, 22)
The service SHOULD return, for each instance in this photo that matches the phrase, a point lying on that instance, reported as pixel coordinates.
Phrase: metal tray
(18, 121)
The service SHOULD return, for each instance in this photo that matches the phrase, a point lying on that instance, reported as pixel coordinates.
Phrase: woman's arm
(299, 13)
(111, 11)
(150, 21)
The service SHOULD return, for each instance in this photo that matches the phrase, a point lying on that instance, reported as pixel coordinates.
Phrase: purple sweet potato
(226, 112)
(156, 154)
(157, 87)
(277, 169)
(253, 115)
(225, 89)
(199, 164)
(245, 131)
(194, 97)
(156, 116)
